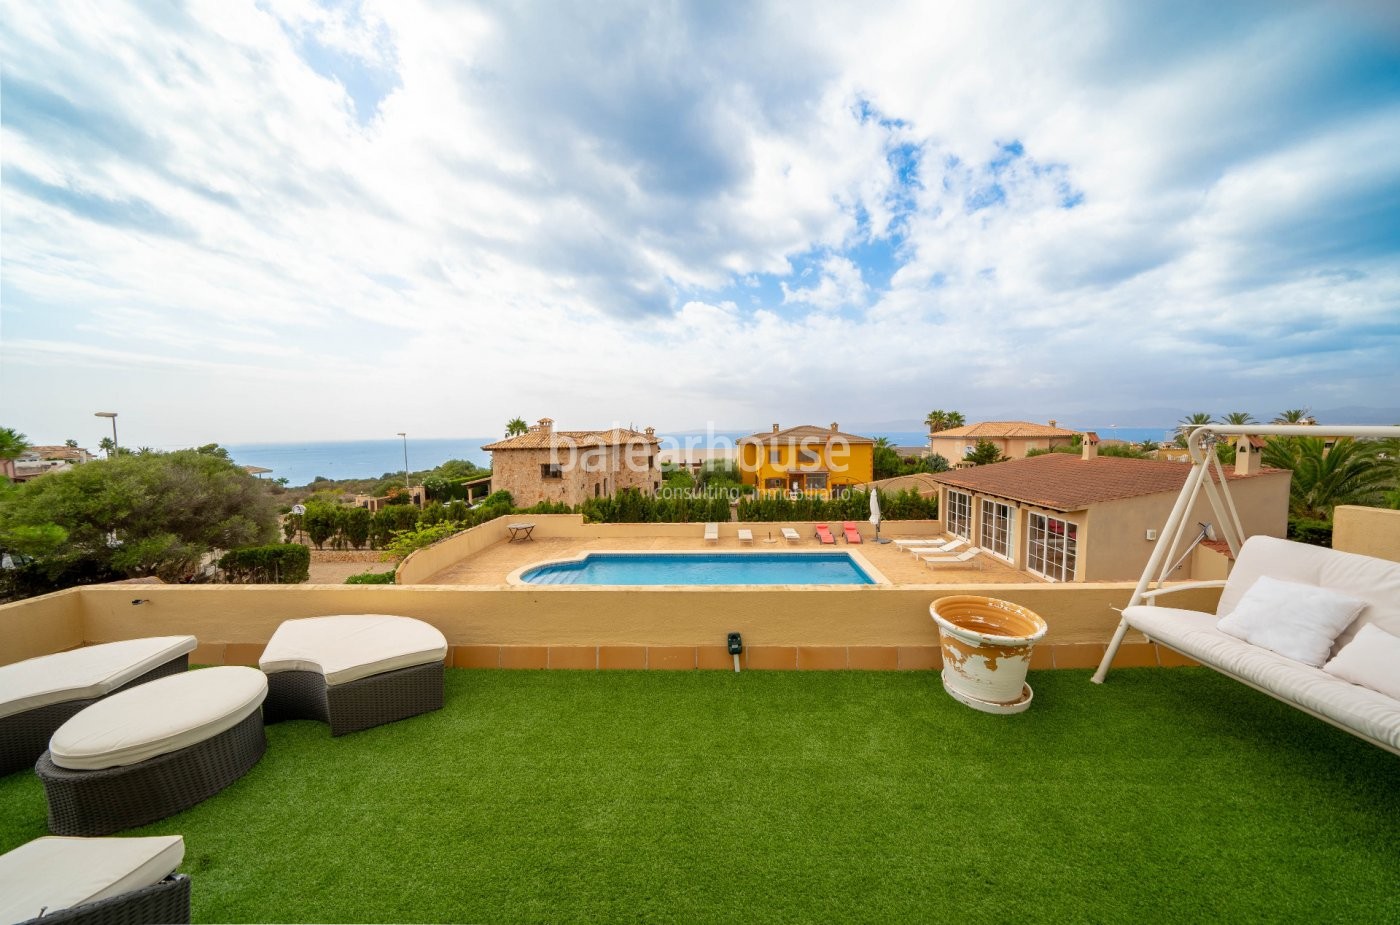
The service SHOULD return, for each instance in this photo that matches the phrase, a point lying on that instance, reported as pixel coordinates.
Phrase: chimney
(1053, 422)
(546, 425)
(651, 432)
(1247, 456)
(775, 428)
(834, 428)
(1091, 446)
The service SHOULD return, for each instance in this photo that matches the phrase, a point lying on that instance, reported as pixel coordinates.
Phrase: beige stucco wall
(1370, 531)
(233, 615)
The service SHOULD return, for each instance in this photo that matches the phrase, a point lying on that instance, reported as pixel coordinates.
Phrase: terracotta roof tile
(985, 429)
(1064, 482)
(803, 432)
(537, 439)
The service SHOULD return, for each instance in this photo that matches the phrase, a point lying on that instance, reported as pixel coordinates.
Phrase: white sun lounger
(791, 535)
(926, 542)
(955, 543)
(934, 558)
(712, 533)
(746, 535)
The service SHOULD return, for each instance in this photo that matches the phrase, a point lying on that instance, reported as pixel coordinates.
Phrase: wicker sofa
(1361, 708)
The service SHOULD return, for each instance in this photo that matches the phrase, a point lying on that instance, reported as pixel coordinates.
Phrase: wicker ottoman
(353, 671)
(95, 881)
(40, 694)
(154, 750)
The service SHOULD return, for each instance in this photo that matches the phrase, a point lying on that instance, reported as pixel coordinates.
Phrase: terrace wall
(1370, 531)
(503, 626)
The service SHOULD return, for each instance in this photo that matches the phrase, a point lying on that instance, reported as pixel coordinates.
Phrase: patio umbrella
(875, 512)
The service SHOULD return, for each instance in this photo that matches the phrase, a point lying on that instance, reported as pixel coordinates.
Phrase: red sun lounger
(852, 534)
(824, 534)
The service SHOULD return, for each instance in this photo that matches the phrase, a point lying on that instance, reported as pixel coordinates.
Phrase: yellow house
(807, 459)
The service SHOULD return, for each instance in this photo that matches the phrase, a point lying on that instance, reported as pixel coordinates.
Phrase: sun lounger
(952, 545)
(353, 671)
(791, 535)
(746, 535)
(852, 532)
(934, 558)
(41, 694)
(95, 881)
(824, 535)
(929, 543)
(712, 533)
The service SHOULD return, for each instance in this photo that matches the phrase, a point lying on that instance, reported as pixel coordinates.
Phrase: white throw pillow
(1297, 621)
(1371, 659)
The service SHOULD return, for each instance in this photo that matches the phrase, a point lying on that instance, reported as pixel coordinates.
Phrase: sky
(303, 221)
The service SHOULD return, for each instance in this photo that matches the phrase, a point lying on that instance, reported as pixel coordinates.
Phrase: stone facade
(566, 467)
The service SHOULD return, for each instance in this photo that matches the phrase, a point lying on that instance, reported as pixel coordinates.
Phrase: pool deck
(490, 566)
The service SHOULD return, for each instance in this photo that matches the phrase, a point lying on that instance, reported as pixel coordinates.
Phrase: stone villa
(567, 466)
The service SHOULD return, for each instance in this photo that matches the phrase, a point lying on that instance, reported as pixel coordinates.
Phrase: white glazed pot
(986, 646)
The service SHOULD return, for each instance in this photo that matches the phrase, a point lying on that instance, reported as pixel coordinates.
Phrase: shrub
(1312, 532)
(279, 564)
(371, 578)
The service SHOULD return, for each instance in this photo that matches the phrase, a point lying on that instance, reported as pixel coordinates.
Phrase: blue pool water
(704, 568)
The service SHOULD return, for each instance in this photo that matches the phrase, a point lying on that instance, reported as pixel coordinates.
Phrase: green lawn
(778, 796)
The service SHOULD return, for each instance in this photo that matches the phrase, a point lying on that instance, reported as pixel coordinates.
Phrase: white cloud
(440, 216)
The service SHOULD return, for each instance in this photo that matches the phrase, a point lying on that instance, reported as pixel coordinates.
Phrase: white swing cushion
(1299, 621)
(1371, 660)
(1195, 634)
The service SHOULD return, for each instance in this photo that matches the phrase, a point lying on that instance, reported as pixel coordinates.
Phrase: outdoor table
(519, 531)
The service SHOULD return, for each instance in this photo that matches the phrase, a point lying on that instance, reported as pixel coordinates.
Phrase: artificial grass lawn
(785, 796)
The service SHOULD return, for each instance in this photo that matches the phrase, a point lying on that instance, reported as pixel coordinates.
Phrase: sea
(303, 463)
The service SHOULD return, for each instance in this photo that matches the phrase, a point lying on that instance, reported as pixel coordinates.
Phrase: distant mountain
(1357, 414)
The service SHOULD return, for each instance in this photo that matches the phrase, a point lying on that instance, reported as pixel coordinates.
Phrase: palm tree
(1294, 416)
(106, 445)
(516, 426)
(955, 419)
(1347, 473)
(937, 420)
(1190, 423)
(1149, 446)
(1239, 417)
(71, 443)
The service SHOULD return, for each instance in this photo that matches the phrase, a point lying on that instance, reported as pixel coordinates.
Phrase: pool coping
(876, 576)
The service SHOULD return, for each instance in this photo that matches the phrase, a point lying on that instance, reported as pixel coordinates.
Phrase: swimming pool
(702, 568)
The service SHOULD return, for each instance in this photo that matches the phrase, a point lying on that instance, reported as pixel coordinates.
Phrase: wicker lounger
(167, 901)
(154, 751)
(373, 701)
(107, 801)
(95, 881)
(25, 735)
(353, 671)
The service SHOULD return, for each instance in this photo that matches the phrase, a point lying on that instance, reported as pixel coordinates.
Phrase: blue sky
(311, 221)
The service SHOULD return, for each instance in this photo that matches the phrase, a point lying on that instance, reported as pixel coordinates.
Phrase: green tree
(134, 516)
(321, 521)
(13, 444)
(1149, 446)
(939, 419)
(1239, 417)
(985, 453)
(1294, 416)
(516, 426)
(887, 463)
(1190, 423)
(1346, 473)
(71, 443)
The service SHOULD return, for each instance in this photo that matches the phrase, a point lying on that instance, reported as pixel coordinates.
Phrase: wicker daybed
(95, 881)
(40, 694)
(153, 751)
(354, 671)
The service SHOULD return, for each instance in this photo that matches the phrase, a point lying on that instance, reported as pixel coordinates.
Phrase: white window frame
(959, 519)
(1051, 554)
(998, 529)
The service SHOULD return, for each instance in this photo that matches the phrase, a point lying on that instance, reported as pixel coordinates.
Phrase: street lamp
(113, 416)
(406, 483)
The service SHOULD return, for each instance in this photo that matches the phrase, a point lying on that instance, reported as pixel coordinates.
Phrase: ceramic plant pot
(986, 646)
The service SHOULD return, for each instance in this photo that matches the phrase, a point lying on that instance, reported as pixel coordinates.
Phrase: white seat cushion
(158, 717)
(348, 648)
(84, 674)
(49, 874)
(1369, 712)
